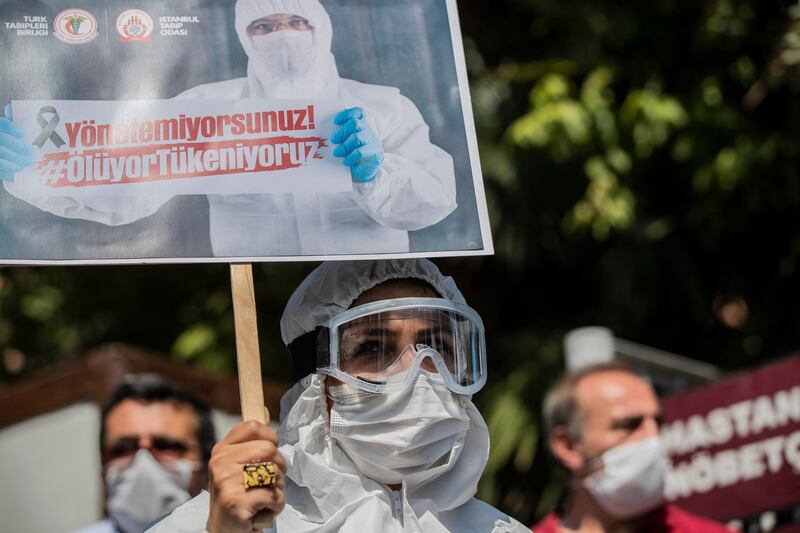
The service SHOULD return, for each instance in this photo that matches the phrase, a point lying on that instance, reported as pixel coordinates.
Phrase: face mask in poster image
(287, 53)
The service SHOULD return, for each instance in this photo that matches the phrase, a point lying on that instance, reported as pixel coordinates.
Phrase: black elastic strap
(309, 352)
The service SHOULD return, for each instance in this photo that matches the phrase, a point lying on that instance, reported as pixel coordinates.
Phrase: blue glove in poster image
(247, 130)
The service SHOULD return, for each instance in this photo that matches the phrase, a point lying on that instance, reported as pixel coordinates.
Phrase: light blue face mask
(146, 490)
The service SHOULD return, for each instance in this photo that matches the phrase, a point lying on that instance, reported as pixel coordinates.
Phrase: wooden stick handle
(248, 356)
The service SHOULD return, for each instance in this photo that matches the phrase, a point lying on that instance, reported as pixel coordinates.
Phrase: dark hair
(153, 388)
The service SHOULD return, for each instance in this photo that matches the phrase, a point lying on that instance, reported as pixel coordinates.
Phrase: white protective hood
(322, 475)
(264, 82)
(333, 286)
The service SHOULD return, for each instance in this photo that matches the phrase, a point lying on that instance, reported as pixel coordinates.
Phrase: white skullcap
(333, 286)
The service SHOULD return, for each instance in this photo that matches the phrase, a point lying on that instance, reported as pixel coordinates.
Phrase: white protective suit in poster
(414, 188)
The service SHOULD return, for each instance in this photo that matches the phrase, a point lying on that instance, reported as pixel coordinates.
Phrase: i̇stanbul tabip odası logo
(134, 25)
(75, 26)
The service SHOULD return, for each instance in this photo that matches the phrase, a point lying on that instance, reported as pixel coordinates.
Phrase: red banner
(735, 444)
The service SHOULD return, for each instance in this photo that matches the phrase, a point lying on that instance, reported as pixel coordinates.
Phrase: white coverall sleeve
(108, 210)
(190, 517)
(415, 186)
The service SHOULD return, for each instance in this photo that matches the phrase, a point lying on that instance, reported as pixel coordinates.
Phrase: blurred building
(669, 373)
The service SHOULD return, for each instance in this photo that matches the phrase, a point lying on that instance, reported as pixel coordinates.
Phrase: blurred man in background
(603, 423)
(155, 442)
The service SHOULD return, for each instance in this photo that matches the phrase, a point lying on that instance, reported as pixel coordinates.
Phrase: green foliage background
(641, 166)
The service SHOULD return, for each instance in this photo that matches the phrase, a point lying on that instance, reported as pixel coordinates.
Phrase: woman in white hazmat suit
(408, 185)
(405, 458)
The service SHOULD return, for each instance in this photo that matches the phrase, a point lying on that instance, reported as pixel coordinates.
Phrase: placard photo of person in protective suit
(401, 132)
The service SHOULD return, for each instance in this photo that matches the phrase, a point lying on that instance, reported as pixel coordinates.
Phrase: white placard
(402, 63)
(170, 147)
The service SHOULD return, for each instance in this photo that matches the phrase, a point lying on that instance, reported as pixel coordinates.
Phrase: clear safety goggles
(382, 346)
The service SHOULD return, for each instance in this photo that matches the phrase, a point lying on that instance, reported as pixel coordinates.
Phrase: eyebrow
(386, 332)
(133, 441)
(266, 19)
(127, 440)
(370, 332)
(634, 421)
(436, 330)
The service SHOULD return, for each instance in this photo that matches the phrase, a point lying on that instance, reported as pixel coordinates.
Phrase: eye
(163, 444)
(368, 356)
(370, 348)
(634, 423)
(444, 346)
(629, 424)
(263, 28)
(364, 349)
(123, 448)
(299, 23)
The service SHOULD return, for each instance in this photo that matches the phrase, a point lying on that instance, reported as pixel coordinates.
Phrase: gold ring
(259, 475)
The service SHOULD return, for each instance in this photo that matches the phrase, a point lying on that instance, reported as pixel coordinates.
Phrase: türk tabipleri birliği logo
(75, 26)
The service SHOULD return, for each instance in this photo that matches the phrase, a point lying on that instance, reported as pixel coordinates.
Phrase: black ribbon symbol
(48, 127)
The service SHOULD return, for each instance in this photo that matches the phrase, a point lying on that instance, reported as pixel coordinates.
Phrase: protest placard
(735, 444)
(415, 182)
(394, 71)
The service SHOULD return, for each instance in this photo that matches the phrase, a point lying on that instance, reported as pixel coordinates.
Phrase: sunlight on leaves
(194, 341)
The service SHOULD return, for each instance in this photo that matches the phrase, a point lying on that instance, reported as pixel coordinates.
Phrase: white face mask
(146, 490)
(411, 435)
(631, 481)
(286, 52)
